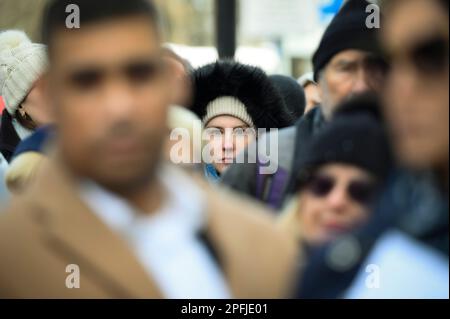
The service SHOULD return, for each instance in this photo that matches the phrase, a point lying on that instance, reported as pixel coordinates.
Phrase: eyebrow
(222, 128)
(104, 68)
(343, 62)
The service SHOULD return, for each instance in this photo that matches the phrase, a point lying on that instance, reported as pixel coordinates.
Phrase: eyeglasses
(360, 191)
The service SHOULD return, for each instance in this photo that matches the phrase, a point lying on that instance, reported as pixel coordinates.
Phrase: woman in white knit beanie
(22, 65)
(233, 101)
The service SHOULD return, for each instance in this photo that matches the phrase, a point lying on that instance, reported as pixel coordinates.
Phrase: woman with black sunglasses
(338, 181)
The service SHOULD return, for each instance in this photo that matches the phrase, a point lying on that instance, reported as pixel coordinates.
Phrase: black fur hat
(250, 85)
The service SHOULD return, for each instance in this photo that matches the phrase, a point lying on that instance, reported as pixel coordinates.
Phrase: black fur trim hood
(248, 84)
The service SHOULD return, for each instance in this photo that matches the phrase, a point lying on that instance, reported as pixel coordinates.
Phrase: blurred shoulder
(15, 219)
(263, 256)
(246, 220)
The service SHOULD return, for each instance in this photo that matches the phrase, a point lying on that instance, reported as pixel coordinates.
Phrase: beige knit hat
(227, 105)
(21, 64)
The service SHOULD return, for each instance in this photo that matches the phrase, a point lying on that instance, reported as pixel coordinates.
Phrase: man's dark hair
(93, 11)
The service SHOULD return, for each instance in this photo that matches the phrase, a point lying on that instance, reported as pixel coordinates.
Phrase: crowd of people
(154, 179)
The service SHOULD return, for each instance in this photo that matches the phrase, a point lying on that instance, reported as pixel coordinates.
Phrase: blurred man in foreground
(106, 219)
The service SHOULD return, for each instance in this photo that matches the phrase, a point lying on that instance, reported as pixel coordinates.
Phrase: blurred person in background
(234, 101)
(2, 105)
(344, 171)
(311, 89)
(105, 203)
(292, 94)
(27, 159)
(406, 245)
(22, 67)
(184, 143)
(4, 193)
(3, 166)
(346, 64)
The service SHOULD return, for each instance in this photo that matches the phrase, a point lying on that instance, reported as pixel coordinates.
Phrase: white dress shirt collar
(166, 242)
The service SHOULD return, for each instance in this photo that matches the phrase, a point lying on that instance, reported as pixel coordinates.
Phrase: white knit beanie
(21, 64)
(227, 105)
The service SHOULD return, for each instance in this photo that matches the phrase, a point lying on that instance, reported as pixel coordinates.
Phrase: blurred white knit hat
(21, 64)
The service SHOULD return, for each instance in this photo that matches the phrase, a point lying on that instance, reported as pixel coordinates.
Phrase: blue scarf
(211, 173)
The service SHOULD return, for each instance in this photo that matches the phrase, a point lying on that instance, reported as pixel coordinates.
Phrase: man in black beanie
(346, 64)
(347, 61)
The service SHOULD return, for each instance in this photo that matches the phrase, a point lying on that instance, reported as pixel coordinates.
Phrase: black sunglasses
(362, 192)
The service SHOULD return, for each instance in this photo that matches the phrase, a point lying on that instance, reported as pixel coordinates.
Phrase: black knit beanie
(346, 31)
(358, 139)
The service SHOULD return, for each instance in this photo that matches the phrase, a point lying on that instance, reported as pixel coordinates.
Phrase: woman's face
(37, 106)
(333, 202)
(228, 136)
